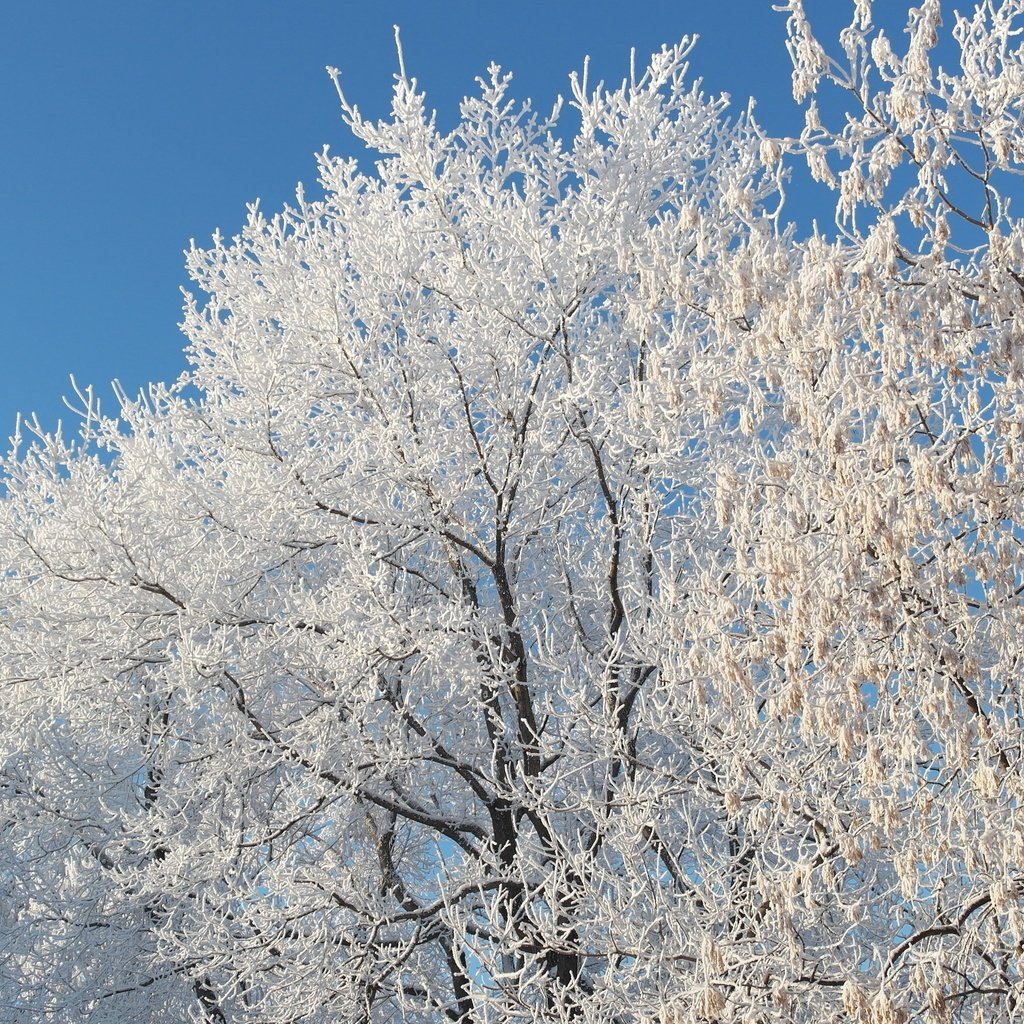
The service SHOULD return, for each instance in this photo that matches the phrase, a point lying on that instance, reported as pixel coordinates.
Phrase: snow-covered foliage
(573, 596)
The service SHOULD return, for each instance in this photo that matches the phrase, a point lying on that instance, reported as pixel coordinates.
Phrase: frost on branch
(573, 597)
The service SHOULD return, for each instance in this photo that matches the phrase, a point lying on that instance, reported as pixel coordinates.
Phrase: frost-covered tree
(557, 591)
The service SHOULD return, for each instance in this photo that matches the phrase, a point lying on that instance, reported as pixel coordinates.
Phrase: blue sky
(129, 128)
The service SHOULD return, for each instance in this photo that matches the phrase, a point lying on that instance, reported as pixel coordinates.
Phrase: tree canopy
(558, 590)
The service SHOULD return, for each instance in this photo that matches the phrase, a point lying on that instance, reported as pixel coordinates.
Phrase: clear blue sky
(131, 127)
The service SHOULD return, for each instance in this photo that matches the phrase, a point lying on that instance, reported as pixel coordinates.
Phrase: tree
(558, 591)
